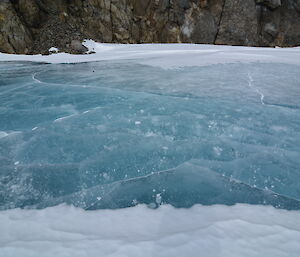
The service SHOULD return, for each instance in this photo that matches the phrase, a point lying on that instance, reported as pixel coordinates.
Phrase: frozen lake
(113, 134)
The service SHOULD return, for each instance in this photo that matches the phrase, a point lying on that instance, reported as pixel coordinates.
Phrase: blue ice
(116, 134)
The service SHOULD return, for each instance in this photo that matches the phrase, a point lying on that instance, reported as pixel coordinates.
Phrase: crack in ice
(35, 79)
(250, 84)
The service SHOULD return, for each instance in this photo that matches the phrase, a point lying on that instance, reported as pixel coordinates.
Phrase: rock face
(33, 26)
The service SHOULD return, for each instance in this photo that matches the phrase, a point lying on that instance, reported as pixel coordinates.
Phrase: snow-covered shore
(168, 55)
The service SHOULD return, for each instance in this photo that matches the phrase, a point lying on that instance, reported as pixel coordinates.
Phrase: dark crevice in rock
(220, 20)
(111, 22)
(11, 44)
(169, 9)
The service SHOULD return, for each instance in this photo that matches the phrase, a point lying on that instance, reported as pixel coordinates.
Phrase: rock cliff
(33, 26)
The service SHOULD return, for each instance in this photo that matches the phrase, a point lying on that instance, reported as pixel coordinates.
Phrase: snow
(53, 50)
(168, 55)
(63, 231)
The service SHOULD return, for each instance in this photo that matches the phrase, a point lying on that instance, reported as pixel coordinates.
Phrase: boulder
(77, 47)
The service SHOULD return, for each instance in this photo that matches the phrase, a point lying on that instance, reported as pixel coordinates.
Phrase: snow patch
(53, 50)
(168, 55)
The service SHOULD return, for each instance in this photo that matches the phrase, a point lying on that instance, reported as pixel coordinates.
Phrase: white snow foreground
(208, 231)
(168, 55)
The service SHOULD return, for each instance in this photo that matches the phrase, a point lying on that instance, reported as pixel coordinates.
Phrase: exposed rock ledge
(33, 26)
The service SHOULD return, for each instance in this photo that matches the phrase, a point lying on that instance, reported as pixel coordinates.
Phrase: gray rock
(273, 4)
(14, 35)
(30, 12)
(77, 47)
(33, 26)
(239, 23)
(271, 29)
(296, 5)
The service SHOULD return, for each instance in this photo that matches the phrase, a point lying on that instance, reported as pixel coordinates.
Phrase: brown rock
(239, 24)
(33, 26)
(14, 35)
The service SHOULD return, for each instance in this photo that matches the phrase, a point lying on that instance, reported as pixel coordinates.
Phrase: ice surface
(106, 134)
(182, 187)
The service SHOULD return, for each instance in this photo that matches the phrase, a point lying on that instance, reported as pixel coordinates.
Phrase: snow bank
(240, 231)
(168, 55)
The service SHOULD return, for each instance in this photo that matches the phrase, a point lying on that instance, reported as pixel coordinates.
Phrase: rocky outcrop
(15, 37)
(33, 26)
